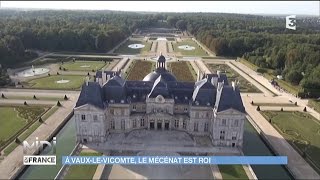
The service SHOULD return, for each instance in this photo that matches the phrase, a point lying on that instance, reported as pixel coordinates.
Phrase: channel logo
(37, 147)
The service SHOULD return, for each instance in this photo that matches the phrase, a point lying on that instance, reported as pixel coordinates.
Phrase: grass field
(50, 98)
(183, 71)
(196, 52)
(244, 85)
(82, 171)
(14, 118)
(30, 130)
(232, 172)
(124, 49)
(299, 129)
(275, 104)
(49, 82)
(139, 69)
(315, 104)
(83, 65)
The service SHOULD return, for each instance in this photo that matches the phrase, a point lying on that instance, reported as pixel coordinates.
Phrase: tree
(294, 77)
(181, 24)
(101, 42)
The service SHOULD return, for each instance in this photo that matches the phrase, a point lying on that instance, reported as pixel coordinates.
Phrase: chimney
(218, 73)
(87, 80)
(198, 75)
(104, 80)
(233, 85)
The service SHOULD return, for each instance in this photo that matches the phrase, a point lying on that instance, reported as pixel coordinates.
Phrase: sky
(242, 7)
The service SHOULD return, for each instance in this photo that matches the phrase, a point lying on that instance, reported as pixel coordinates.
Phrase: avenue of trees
(263, 41)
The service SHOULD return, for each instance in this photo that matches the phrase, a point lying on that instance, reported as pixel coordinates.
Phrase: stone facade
(183, 107)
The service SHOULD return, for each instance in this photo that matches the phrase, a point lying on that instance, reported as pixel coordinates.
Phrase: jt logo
(291, 22)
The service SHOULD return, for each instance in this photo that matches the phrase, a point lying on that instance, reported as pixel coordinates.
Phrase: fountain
(62, 81)
(186, 47)
(32, 72)
(136, 46)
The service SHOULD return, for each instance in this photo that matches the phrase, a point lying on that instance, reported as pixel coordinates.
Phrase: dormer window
(197, 103)
(176, 97)
(111, 101)
(122, 101)
(134, 96)
(186, 98)
(208, 104)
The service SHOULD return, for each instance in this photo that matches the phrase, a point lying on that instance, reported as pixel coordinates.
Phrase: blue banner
(158, 160)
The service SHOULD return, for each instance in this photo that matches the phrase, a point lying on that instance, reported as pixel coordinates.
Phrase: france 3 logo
(291, 22)
(35, 148)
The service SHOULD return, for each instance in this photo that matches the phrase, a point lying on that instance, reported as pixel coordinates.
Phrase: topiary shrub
(305, 109)
(25, 103)
(65, 97)
(34, 97)
(252, 102)
(258, 108)
(59, 104)
(2, 95)
(281, 109)
(58, 73)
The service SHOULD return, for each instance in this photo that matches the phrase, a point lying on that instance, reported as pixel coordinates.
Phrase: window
(83, 117)
(122, 111)
(195, 126)
(134, 107)
(95, 118)
(236, 123)
(222, 133)
(134, 123)
(176, 123)
(207, 114)
(184, 124)
(112, 111)
(224, 122)
(206, 127)
(123, 124)
(141, 122)
(197, 115)
(234, 135)
(185, 109)
(112, 124)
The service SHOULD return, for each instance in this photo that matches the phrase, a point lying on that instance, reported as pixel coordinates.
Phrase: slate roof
(201, 93)
(91, 94)
(167, 76)
(230, 98)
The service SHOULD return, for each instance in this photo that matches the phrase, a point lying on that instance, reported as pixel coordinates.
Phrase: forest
(82, 31)
(262, 40)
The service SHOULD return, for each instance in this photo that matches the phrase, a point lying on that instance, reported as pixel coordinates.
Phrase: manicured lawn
(196, 52)
(124, 49)
(299, 129)
(139, 69)
(50, 98)
(183, 71)
(275, 104)
(50, 82)
(82, 171)
(232, 172)
(244, 85)
(14, 118)
(83, 65)
(30, 130)
(315, 104)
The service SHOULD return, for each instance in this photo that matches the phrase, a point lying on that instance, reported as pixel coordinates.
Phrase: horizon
(308, 8)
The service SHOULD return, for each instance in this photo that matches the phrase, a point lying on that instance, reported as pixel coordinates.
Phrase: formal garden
(139, 69)
(83, 65)
(301, 130)
(66, 82)
(18, 122)
(134, 47)
(232, 172)
(244, 85)
(187, 47)
(183, 71)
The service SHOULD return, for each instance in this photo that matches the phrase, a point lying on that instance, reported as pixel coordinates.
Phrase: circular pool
(32, 72)
(136, 46)
(187, 47)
